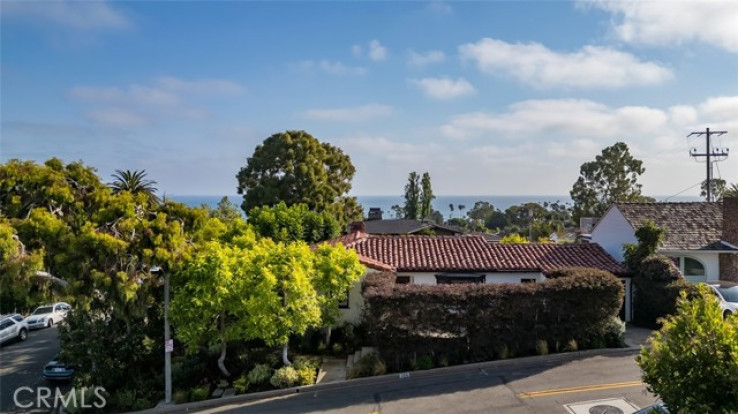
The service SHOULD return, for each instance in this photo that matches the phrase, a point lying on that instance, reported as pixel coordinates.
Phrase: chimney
(357, 227)
(729, 261)
(375, 213)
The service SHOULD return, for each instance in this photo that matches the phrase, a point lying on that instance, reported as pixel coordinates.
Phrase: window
(527, 281)
(692, 269)
(403, 280)
(344, 304)
(450, 278)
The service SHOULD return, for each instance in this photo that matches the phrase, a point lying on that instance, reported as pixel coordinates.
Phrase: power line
(717, 154)
(686, 189)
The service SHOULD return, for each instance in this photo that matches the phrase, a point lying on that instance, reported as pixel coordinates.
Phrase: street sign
(169, 345)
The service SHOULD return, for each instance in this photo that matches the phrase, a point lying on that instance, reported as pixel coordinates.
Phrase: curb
(388, 378)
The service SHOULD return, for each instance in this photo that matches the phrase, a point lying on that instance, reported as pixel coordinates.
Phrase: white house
(468, 259)
(702, 238)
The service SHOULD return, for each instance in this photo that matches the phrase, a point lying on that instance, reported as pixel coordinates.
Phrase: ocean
(441, 202)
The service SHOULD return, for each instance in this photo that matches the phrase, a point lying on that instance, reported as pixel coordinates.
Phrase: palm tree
(731, 192)
(451, 207)
(134, 182)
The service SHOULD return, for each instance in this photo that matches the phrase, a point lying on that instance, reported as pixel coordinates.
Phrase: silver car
(727, 293)
(47, 315)
(13, 327)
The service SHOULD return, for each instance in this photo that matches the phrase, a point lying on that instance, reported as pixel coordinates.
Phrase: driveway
(21, 364)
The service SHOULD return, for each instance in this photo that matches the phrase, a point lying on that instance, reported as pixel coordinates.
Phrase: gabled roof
(403, 226)
(688, 226)
(474, 254)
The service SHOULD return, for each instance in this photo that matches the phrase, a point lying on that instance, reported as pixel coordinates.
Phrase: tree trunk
(328, 331)
(285, 361)
(221, 359)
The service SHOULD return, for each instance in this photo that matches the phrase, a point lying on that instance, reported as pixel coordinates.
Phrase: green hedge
(474, 322)
(657, 284)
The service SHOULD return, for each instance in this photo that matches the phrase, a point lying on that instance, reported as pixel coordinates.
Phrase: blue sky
(488, 97)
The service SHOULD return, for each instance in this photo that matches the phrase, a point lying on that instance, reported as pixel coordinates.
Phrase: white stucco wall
(612, 231)
(429, 278)
(710, 260)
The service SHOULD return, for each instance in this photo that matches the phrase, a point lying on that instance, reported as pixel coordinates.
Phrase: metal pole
(709, 166)
(167, 353)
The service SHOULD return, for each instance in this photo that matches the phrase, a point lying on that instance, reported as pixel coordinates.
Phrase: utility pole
(716, 153)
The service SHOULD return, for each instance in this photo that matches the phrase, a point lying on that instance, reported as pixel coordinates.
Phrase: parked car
(727, 292)
(13, 326)
(47, 315)
(58, 370)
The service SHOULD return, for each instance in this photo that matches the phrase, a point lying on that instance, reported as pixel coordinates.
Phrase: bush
(199, 393)
(693, 360)
(424, 362)
(474, 322)
(542, 347)
(614, 333)
(179, 396)
(306, 376)
(260, 374)
(571, 346)
(368, 366)
(241, 384)
(284, 377)
(306, 362)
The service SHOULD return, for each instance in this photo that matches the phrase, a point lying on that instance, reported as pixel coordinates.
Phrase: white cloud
(116, 117)
(440, 8)
(722, 108)
(78, 15)
(333, 68)
(444, 88)
(357, 114)
(133, 95)
(570, 118)
(536, 65)
(377, 52)
(423, 59)
(202, 86)
(673, 22)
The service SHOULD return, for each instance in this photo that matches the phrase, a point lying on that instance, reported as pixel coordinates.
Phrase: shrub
(367, 366)
(542, 347)
(693, 360)
(284, 377)
(338, 349)
(614, 332)
(306, 362)
(199, 393)
(424, 362)
(241, 384)
(179, 396)
(502, 352)
(571, 346)
(260, 374)
(306, 376)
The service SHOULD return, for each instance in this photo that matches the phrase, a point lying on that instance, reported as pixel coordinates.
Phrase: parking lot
(21, 364)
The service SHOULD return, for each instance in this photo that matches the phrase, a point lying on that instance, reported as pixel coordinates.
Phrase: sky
(490, 98)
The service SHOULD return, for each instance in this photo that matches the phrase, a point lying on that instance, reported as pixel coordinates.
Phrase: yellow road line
(584, 388)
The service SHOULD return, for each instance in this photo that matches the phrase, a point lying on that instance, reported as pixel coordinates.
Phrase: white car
(13, 327)
(727, 293)
(47, 315)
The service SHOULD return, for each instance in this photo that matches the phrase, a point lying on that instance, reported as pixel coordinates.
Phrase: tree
(293, 167)
(134, 182)
(693, 360)
(717, 189)
(397, 211)
(226, 211)
(295, 223)
(514, 238)
(611, 177)
(731, 192)
(426, 197)
(451, 209)
(412, 196)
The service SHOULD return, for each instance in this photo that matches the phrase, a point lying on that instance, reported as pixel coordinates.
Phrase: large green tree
(294, 223)
(692, 363)
(717, 189)
(411, 209)
(427, 197)
(295, 168)
(611, 177)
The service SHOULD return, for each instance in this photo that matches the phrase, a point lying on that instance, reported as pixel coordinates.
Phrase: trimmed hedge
(658, 283)
(473, 322)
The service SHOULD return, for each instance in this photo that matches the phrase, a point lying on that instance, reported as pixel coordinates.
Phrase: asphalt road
(533, 385)
(21, 364)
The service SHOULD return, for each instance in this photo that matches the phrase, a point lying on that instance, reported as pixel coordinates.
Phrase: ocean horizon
(441, 203)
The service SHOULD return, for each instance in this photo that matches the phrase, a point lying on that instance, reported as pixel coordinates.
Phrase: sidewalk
(636, 337)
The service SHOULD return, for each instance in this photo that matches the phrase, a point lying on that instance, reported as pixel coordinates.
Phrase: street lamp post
(168, 344)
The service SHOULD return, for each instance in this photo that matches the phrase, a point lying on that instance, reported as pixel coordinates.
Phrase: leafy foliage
(295, 168)
(514, 238)
(426, 196)
(692, 364)
(474, 321)
(611, 177)
(717, 189)
(411, 209)
(295, 223)
(284, 377)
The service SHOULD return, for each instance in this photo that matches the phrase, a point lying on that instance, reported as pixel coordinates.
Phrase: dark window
(4, 324)
(403, 280)
(448, 279)
(527, 281)
(344, 304)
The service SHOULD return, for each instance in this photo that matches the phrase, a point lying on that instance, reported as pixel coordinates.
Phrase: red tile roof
(474, 254)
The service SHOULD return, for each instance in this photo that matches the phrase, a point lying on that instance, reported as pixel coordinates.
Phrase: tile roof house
(701, 237)
(403, 226)
(467, 259)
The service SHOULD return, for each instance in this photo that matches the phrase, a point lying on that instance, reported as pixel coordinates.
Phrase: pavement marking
(484, 372)
(405, 375)
(534, 394)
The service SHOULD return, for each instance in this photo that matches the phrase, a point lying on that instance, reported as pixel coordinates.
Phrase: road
(21, 364)
(537, 385)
